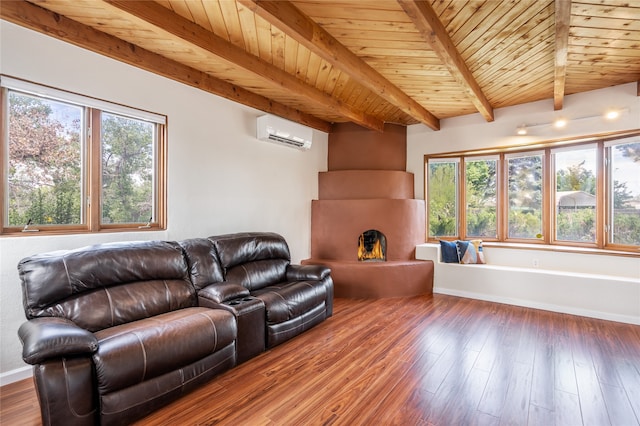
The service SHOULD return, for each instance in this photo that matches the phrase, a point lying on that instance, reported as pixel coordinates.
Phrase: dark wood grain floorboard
(427, 361)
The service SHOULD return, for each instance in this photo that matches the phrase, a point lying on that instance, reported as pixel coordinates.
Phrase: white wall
(612, 288)
(221, 178)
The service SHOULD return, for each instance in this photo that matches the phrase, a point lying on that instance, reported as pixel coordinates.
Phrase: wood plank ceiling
(369, 62)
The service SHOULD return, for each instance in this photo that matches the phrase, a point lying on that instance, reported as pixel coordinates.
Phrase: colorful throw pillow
(466, 252)
(479, 252)
(449, 251)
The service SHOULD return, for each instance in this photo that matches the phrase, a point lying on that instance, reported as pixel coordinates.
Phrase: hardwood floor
(436, 360)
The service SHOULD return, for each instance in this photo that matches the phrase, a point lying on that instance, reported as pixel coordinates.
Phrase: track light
(559, 123)
(562, 122)
(613, 114)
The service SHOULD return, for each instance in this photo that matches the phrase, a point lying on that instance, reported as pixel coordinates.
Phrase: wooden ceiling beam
(435, 34)
(166, 20)
(289, 19)
(44, 21)
(563, 18)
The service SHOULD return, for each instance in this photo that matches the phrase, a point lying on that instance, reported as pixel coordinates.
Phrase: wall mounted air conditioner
(284, 132)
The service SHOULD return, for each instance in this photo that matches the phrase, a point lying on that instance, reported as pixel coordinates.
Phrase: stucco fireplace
(366, 223)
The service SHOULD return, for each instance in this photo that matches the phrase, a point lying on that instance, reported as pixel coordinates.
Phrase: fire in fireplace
(372, 246)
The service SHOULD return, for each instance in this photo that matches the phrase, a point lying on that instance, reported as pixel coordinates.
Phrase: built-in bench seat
(590, 284)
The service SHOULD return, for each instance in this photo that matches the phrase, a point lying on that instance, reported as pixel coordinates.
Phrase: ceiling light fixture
(615, 113)
(559, 123)
(562, 122)
(612, 115)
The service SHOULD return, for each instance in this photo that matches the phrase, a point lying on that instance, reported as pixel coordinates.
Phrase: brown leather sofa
(116, 331)
(252, 272)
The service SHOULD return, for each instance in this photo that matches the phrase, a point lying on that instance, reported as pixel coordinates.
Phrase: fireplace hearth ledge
(354, 279)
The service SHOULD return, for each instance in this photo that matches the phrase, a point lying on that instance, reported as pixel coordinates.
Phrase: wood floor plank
(565, 375)
(496, 391)
(517, 402)
(594, 411)
(407, 396)
(466, 407)
(491, 346)
(567, 409)
(444, 402)
(427, 361)
(544, 371)
(540, 416)
(618, 406)
(629, 370)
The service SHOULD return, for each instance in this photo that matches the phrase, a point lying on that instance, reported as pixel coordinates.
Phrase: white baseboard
(536, 305)
(16, 375)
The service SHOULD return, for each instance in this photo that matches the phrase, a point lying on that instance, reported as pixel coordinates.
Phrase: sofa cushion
(94, 286)
(479, 250)
(466, 252)
(258, 274)
(470, 252)
(237, 249)
(285, 301)
(138, 351)
(204, 265)
(108, 307)
(449, 251)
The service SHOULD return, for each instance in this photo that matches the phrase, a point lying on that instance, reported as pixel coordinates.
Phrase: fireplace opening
(372, 246)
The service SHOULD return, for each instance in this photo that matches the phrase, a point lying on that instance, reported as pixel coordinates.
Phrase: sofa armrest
(222, 292)
(50, 337)
(307, 272)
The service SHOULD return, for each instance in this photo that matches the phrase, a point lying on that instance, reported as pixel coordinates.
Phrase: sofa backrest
(253, 259)
(108, 284)
(203, 261)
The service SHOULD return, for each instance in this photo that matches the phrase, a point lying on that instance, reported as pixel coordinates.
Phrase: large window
(524, 174)
(73, 164)
(44, 173)
(481, 197)
(443, 197)
(569, 193)
(575, 193)
(127, 169)
(624, 198)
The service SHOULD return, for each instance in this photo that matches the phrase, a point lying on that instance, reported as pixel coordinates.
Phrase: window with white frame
(71, 163)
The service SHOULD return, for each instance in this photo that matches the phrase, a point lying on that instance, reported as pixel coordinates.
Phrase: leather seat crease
(131, 353)
(290, 300)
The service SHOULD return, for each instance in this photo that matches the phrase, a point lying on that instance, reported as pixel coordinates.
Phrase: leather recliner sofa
(252, 272)
(118, 330)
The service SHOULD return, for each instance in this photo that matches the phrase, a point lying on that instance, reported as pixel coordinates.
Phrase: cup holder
(236, 302)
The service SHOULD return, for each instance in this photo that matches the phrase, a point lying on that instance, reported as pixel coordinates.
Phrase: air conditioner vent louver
(280, 139)
(283, 132)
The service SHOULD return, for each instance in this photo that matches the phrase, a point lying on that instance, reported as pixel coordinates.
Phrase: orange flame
(375, 253)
